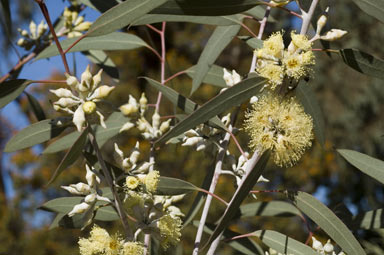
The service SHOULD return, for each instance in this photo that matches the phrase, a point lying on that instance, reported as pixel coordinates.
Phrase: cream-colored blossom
(301, 41)
(100, 242)
(133, 248)
(131, 182)
(274, 45)
(170, 230)
(298, 65)
(274, 74)
(151, 181)
(280, 125)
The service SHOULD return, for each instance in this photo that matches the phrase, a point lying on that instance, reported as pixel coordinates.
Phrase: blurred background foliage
(352, 108)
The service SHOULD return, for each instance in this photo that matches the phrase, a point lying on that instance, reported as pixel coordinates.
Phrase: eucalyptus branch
(108, 177)
(307, 17)
(21, 62)
(162, 71)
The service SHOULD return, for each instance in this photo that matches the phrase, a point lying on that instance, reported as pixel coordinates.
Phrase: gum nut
(89, 107)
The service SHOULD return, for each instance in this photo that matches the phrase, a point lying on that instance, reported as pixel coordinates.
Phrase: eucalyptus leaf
(254, 43)
(122, 15)
(363, 62)
(311, 106)
(56, 220)
(214, 75)
(205, 8)
(6, 11)
(283, 244)
(113, 41)
(220, 38)
(374, 8)
(232, 96)
(241, 193)
(182, 102)
(206, 20)
(368, 165)
(168, 186)
(271, 208)
(258, 12)
(34, 134)
(99, 5)
(369, 220)
(71, 156)
(11, 89)
(327, 221)
(36, 107)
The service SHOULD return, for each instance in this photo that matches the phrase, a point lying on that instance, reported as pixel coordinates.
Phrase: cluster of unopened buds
(137, 110)
(203, 135)
(80, 100)
(74, 24)
(92, 194)
(332, 35)
(37, 35)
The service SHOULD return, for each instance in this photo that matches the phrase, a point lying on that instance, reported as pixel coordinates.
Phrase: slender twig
(154, 51)
(175, 75)
(154, 29)
(213, 194)
(45, 12)
(108, 177)
(162, 71)
(22, 62)
(50, 81)
(75, 42)
(307, 16)
(248, 29)
(263, 23)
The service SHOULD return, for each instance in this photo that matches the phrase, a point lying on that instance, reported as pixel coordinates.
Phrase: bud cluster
(37, 35)
(332, 35)
(326, 249)
(74, 24)
(80, 100)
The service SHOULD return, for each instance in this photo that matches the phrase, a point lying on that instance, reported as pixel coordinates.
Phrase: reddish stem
(45, 12)
(213, 195)
(162, 38)
(175, 75)
(50, 81)
(75, 42)
(18, 66)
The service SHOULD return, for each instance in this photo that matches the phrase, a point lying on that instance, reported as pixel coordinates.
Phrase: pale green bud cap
(89, 107)
(71, 80)
(86, 80)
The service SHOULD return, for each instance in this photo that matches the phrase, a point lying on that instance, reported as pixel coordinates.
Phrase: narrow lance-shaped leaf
(171, 186)
(102, 60)
(311, 106)
(34, 134)
(369, 220)
(271, 208)
(36, 107)
(220, 38)
(71, 156)
(327, 221)
(182, 102)
(254, 43)
(241, 193)
(122, 15)
(213, 77)
(99, 5)
(6, 11)
(205, 8)
(10, 90)
(368, 165)
(233, 96)
(113, 41)
(375, 8)
(156, 18)
(283, 244)
(363, 62)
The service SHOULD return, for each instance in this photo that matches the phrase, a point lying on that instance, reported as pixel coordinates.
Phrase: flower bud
(128, 109)
(66, 102)
(316, 244)
(79, 118)
(32, 29)
(134, 157)
(67, 13)
(97, 78)
(333, 35)
(101, 119)
(253, 99)
(78, 21)
(80, 208)
(321, 23)
(102, 92)
(164, 126)
(89, 107)
(62, 92)
(21, 42)
(328, 247)
(83, 26)
(155, 120)
(41, 28)
(24, 33)
(191, 133)
(143, 100)
(192, 141)
(227, 77)
(71, 80)
(126, 127)
(279, 3)
(86, 80)
(89, 199)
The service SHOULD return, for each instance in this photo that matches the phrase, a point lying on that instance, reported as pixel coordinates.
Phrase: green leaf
(6, 10)
(122, 15)
(220, 38)
(369, 220)
(56, 220)
(214, 76)
(11, 89)
(230, 97)
(114, 124)
(182, 102)
(327, 221)
(113, 41)
(114, 170)
(363, 62)
(311, 106)
(103, 61)
(374, 8)
(239, 196)
(258, 12)
(271, 208)
(252, 42)
(283, 244)
(99, 5)
(36, 107)
(243, 245)
(205, 8)
(171, 186)
(208, 20)
(368, 165)
(200, 198)
(34, 134)
(71, 156)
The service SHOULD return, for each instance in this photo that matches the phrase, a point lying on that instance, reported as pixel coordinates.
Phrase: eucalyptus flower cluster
(81, 99)
(137, 110)
(74, 25)
(37, 35)
(101, 242)
(92, 194)
(275, 63)
(326, 249)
